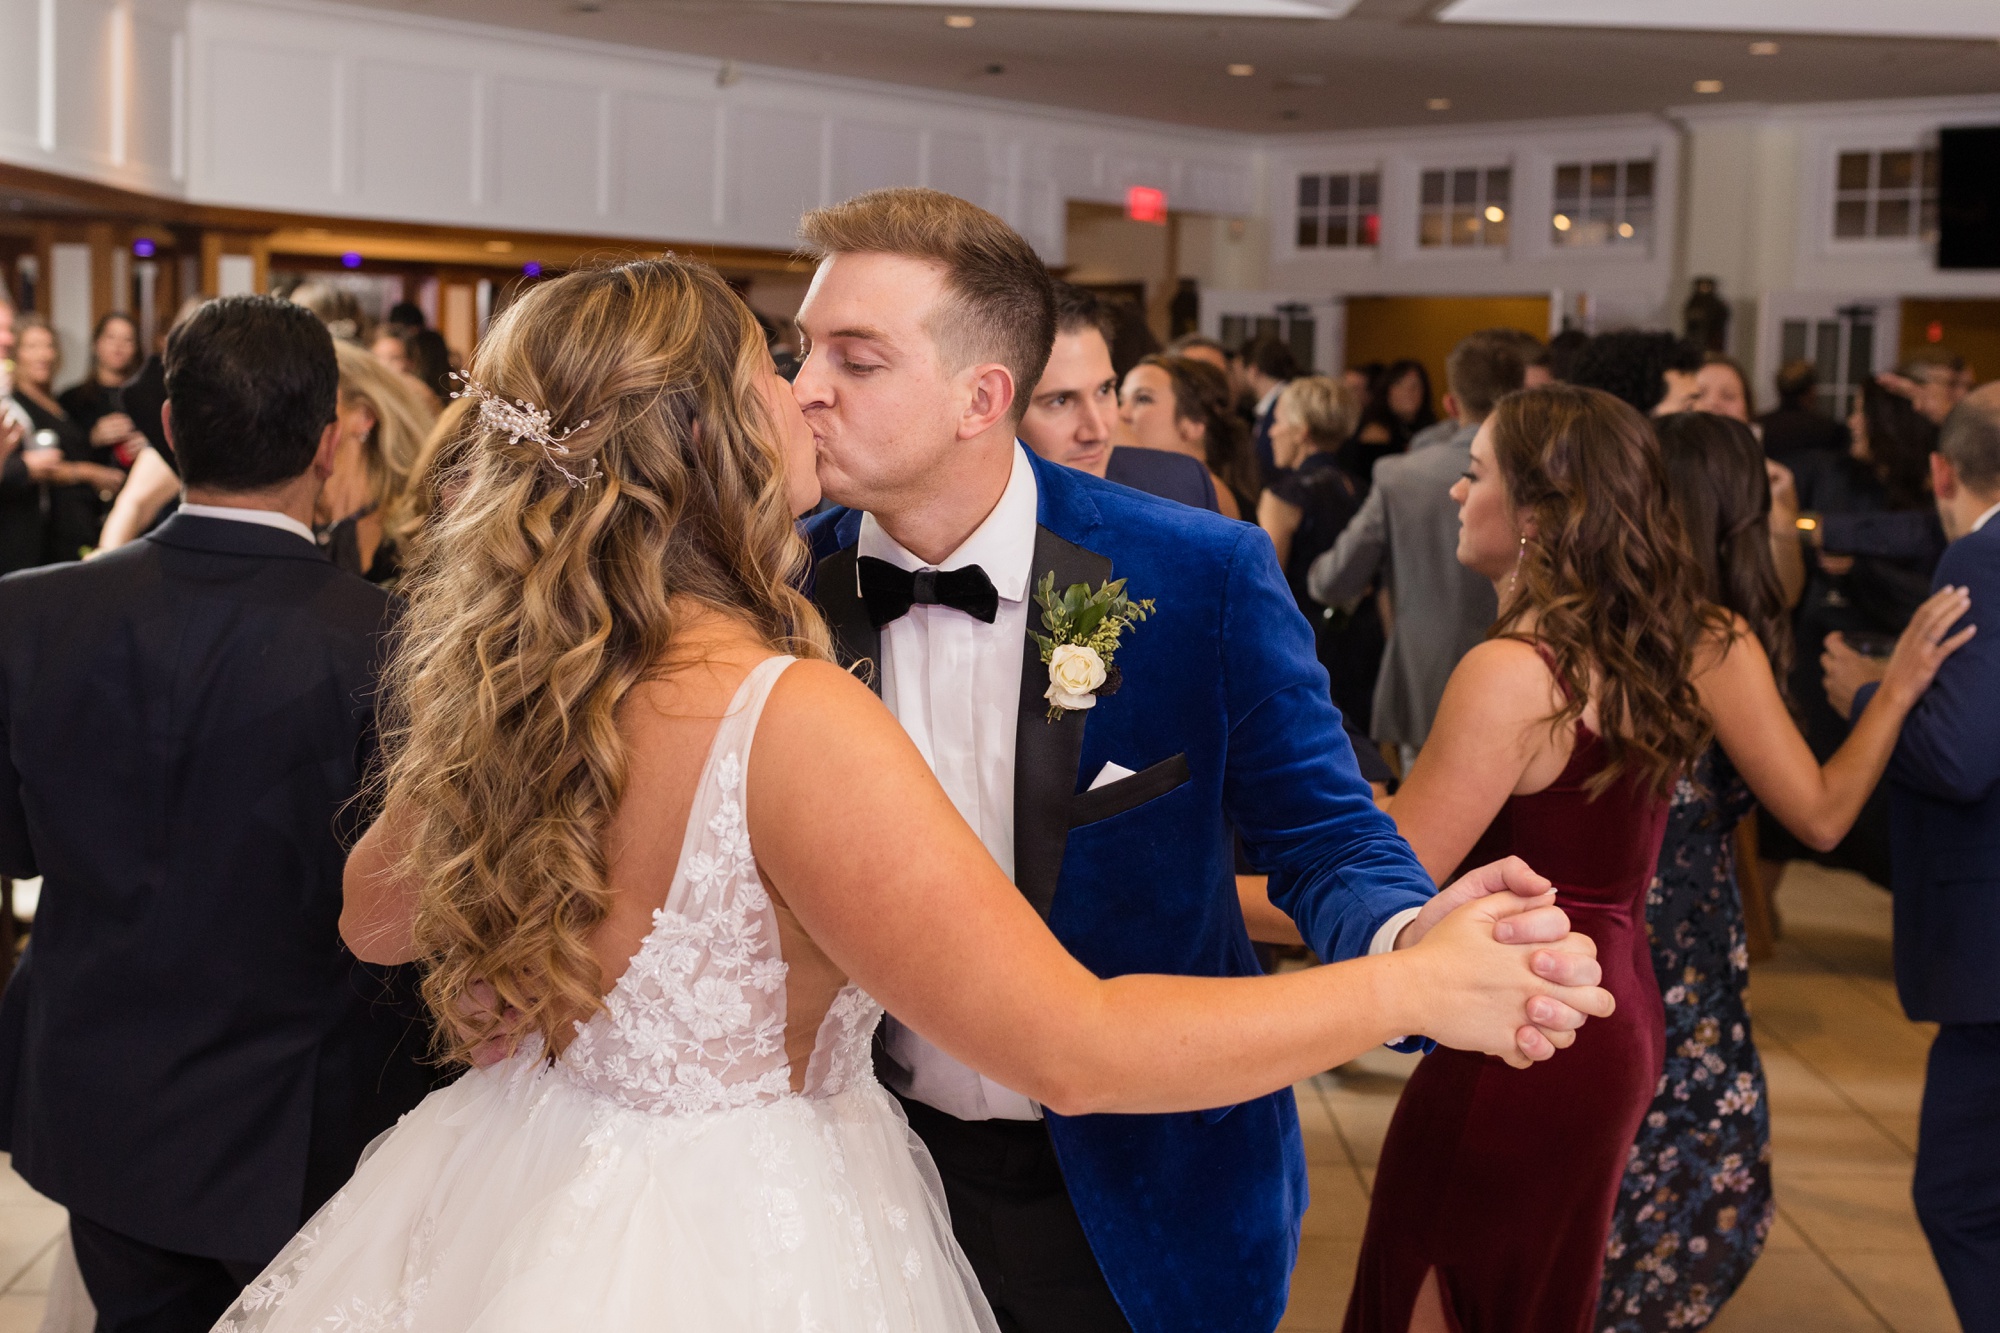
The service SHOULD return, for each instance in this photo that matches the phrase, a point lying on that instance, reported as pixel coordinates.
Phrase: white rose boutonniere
(1084, 628)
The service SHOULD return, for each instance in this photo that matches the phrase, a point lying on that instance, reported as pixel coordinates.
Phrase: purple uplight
(352, 259)
(532, 269)
(143, 248)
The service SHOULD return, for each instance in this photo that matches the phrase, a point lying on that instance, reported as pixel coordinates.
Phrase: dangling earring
(1520, 554)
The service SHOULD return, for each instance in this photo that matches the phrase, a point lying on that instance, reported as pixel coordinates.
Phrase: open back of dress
(663, 1173)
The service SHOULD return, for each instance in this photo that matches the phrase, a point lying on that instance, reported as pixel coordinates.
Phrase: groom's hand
(1542, 925)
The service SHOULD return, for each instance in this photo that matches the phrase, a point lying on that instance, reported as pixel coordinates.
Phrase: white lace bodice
(697, 1023)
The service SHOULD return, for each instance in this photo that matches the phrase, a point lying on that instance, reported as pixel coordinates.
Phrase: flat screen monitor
(1969, 197)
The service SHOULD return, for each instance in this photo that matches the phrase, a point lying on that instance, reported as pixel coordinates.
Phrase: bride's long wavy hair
(535, 606)
(1607, 585)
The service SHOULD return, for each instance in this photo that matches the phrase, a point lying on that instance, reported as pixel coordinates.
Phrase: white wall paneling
(69, 304)
(381, 115)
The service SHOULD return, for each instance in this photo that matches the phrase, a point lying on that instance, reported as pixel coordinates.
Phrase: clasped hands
(1518, 907)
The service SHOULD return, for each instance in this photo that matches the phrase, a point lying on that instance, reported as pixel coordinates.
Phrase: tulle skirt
(515, 1200)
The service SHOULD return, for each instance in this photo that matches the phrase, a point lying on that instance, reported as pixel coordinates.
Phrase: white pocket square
(1109, 774)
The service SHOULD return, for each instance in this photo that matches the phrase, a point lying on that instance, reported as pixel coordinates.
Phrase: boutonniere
(1083, 632)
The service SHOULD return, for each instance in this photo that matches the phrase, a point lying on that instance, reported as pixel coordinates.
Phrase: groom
(928, 324)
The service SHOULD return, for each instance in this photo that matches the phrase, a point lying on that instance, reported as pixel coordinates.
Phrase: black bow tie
(890, 591)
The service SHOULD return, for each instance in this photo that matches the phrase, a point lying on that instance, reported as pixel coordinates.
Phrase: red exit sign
(1143, 203)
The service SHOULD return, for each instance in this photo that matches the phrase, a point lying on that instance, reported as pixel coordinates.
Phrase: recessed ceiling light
(959, 20)
(1288, 113)
(1562, 222)
(1708, 85)
(1242, 71)
(1438, 104)
(1495, 213)
(996, 68)
(1763, 48)
(1626, 230)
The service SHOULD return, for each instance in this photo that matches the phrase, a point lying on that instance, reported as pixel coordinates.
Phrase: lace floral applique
(697, 1022)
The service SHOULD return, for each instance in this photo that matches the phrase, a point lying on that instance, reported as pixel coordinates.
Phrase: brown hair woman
(1559, 739)
(1180, 405)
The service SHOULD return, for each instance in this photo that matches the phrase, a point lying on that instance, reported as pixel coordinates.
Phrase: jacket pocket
(1115, 798)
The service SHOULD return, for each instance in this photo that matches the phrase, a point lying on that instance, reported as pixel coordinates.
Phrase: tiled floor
(1846, 1072)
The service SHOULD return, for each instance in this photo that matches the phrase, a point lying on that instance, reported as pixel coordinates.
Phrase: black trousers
(1957, 1185)
(141, 1288)
(1014, 1220)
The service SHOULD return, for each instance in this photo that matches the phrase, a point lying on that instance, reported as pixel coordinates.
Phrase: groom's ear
(991, 401)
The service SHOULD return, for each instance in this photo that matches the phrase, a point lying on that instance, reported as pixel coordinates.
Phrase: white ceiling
(1382, 63)
(1871, 18)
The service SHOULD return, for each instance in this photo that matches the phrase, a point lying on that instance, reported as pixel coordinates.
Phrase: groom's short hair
(1000, 302)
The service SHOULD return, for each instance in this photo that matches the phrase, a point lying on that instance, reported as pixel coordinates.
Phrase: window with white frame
(1464, 207)
(1886, 194)
(1341, 210)
(1602, 204)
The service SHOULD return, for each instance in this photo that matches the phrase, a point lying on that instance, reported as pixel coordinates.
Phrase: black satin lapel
(855, 638)
(1046, 754)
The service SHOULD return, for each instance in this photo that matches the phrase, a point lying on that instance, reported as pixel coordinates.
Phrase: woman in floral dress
(1695, 1203)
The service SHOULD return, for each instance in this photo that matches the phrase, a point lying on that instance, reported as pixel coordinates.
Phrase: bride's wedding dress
(663, 1173)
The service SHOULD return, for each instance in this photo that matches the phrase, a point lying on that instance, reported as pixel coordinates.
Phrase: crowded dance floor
(1079, 666)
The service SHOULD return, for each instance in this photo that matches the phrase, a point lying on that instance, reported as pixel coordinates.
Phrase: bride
(666, 862)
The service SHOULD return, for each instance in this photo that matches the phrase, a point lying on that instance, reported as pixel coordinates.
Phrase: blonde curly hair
(534, 607)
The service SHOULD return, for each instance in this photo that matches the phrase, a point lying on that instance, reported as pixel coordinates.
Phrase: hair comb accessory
(521, 420)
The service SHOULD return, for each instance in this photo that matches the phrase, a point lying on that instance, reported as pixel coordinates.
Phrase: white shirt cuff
(1385, 938)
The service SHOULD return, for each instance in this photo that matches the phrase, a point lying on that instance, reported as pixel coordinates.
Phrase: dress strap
(739, 724)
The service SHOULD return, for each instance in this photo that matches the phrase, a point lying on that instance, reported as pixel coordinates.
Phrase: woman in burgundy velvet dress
(1559, 740)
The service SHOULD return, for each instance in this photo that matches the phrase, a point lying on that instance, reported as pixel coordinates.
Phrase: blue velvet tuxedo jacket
(1225, 717)
(1944, 812)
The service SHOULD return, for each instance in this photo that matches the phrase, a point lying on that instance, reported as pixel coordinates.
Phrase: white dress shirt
(269, 518)
(955, 685)
(1981, 521)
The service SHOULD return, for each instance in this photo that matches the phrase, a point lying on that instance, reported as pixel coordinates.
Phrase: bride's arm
(856, 835)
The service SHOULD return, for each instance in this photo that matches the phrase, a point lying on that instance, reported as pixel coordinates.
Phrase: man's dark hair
(1487, 366)
(1187, 342)
(1795, 382)
(1970, 442)
(1079, 308)
(1270, 356)
(1633, 365)
(252, 381)
(1561, 353)
(408, 314)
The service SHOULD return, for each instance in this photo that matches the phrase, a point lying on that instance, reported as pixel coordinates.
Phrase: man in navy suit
(190, 1061)
(1945, 860)
(927, 326)
(1070, 414)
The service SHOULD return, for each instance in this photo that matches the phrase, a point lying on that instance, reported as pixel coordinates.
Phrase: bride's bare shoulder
(813, 698)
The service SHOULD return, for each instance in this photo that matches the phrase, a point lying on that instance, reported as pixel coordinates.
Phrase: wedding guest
(435, 479)
(77, 484)
(1877, 542)
(1654, 372)
(1398, 410)
(1721, 387)
(1559, 740)
(1267, 366)
(1073, 411)
(1796, 428)
(1934, 380)
(1698, 1185)
(384, 420)
(1181, 406)
(20, 489)
(189, 1060)
(1944, 784)
(335, 306)
(1405, 542)
(391, 346)
(1309, 502)
(97, 404)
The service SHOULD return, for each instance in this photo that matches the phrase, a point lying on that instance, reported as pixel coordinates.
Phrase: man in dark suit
(1945, 858)
(1112, 812)
(190, 1061)
(1074, 407)
(1268, 366)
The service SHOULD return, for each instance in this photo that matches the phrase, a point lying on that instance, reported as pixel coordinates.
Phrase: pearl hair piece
(521, 420)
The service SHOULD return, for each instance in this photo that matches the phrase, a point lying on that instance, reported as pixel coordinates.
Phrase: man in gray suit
(1405, 541)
